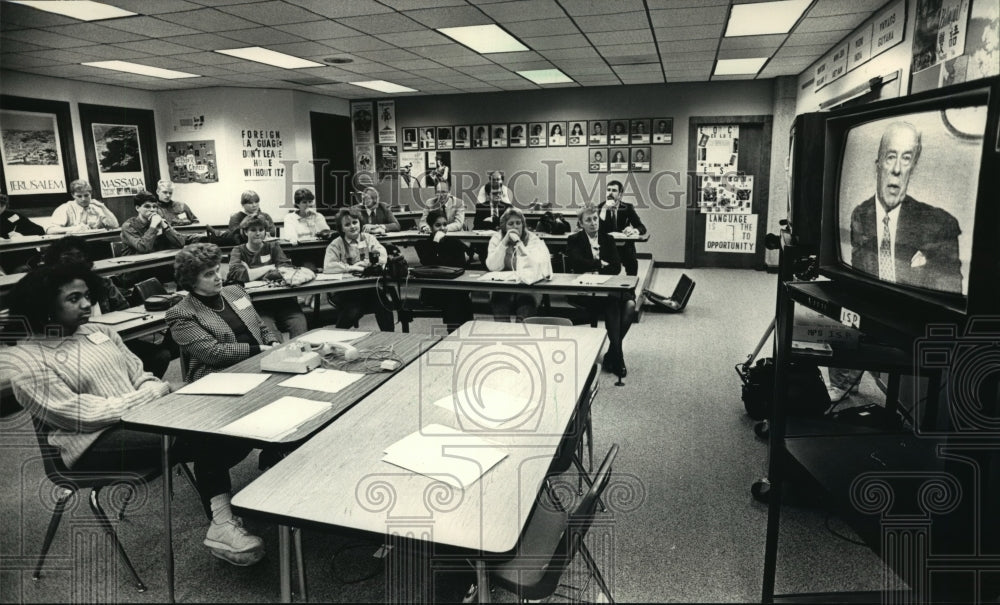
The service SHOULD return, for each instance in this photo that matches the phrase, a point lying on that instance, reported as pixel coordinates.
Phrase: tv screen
(906, 197)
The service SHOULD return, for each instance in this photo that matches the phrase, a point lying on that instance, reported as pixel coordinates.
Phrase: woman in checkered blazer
(215, 326)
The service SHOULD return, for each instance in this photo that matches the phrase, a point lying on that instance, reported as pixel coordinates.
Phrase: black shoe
(622, 371)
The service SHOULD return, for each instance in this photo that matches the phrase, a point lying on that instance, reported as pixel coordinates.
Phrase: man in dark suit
(619, 217)
(376, 218)
(896, 238)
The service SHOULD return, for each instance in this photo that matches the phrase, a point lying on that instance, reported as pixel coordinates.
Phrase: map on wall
(192, 162)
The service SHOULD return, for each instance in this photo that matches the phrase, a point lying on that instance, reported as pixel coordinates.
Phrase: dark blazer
(207, 341)
(483, 212)
(383, 216)
(626, 217)
(449, 252)
(921, 228)
(579, 258)
(22, 225)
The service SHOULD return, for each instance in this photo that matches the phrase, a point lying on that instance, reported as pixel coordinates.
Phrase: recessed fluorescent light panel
(142, 70)
(84, 10)
(738, 67)
(761, 18)
(269, 57)
(545, 76)
(484, 38)
(383, 86)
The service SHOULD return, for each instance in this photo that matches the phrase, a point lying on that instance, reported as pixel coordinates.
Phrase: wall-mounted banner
(889, 26)
(192, 162)
(859, 47)
(387, 122)
(262, 154)
(362, 123)
(119, 161)
(731, 233)
(32, 160)
(873, 38)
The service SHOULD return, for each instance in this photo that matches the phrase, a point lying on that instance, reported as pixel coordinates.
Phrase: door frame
(762, 183)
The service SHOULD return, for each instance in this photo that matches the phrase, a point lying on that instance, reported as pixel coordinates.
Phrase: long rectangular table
(178, 414)
(338, 479)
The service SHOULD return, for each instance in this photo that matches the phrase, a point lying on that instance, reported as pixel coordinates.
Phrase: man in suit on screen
(896, 238)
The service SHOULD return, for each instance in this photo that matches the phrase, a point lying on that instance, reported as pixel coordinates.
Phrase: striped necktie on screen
(885, 251)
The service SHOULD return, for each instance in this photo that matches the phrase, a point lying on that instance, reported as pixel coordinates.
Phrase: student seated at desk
(592, 251)
(256, 260)
(174, 212)
(376, 217)
(351, 251)
(515, 248)
(444, 202)
(439, 249)
(215, 326)
(617, 216)
(304, 222)
(71, 249)
(492, 201)
(14, 225)
(147, 231)
(82, 402)
(81, 213)
(251, 210)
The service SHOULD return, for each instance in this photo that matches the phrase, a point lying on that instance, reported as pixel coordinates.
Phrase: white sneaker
(232, 543)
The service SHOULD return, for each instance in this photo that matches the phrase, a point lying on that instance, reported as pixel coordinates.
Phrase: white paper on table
(487, 408)
(224, 383)
(499, 276)
(254, 284)
(329, 276)
(138, 257)
(322, 380)
(324, 336)
(276, 419)
(592, 280)
(445, 454)
(117, 317)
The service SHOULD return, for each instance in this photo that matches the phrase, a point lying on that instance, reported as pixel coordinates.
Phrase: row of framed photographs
(619, 159)
(574, 133)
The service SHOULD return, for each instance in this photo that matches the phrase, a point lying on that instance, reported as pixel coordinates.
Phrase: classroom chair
(551, 540)
(117, 249)
(570, 452)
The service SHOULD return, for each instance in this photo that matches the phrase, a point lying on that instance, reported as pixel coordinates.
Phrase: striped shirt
(79, 385)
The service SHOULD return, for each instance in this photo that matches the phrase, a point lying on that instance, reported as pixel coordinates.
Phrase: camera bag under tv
(807, 395)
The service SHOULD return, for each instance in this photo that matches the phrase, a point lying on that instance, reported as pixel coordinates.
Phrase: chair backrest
(117, 248)
(582, 517)
(683, 291)
(51, 458)
(147, 288)
(548, 321)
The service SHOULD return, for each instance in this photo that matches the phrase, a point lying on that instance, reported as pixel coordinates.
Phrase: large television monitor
(805, 179)
(911, 203)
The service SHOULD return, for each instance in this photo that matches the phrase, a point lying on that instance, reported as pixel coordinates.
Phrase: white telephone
(348, 352)
(294, 358)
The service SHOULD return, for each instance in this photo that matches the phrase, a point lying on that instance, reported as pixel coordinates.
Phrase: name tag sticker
(98, 337)
(850, 318)
(183, 216)
(242, 303)
(13, 218)
(265, 258)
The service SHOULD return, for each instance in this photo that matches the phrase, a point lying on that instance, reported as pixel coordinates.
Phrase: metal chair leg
(582, 474)
(128, 498)
(592, 565)
(590, 443)
(102, 518)
(300, 563)
(51, 531)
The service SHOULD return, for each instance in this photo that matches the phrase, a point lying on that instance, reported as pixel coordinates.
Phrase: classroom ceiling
(595, 42)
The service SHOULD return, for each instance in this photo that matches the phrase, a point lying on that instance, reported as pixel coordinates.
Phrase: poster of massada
(119, 161)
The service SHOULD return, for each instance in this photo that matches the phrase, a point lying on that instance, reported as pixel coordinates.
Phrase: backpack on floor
(807, 394)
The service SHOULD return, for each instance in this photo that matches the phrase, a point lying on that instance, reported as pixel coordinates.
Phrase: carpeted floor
(684, 526)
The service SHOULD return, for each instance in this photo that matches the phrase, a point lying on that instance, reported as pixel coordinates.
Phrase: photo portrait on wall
(619, 132)
(640, 131)
(462, 137)
(598, 159)
(619, 159)
(557, 134)
(427, 138)
(410, 139)
(444, 139)
(538, 135)
(641, 159)
(518, 135)
(481, 137)
(597, 132)
(499, 135)
(663, 131)
(577, 136)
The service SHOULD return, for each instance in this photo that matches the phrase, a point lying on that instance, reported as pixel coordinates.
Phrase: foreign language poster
(32, 159)
(717, 152)
(362, 122)
(734, 233)
(387, 122)
(192, 162)
(119, 160)
(262, 154)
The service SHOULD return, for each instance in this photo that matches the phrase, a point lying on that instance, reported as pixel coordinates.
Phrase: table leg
(168, 525)
(285, 563)
(483, 581)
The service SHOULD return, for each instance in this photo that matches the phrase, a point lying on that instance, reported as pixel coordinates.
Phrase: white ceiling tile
(439, 51)
(409, 5)
(382, 24)
(388, 55)
(27, 17)
(148, 26)
(693, 32)
(509, 12)
(487, 72)
(336, 9)
(249, 67)
(628, 50)
(669, 58)
(59, 56)
(166, 63)
(153, 7)
(526, 65)
(302, 49)
(417, 38)
(543, 27)
(683, 46)
(622, 70)
(472, 59)
(825, 9)
(94, 33)
(585, 66)
(600, 7)
(518, 57)
(688, 78)
(802, 51)
(556, 42)
(825, 24)
(201, 41)
(327, 73)
(571, 53)
(155, 47)
(318, 30)
(363, 68)
(16, 61)
(414, 64)
(356, 43)
(110, 52)
(770, 41)
(615, 22)
(207, 70)
(744, 53)
(209, 20)
(680, 17)
(631, 36)
(272, 13)
(451, 16)
(811, 39)
(260, 36)
(207, 58)
(7, 45)
(644, 78)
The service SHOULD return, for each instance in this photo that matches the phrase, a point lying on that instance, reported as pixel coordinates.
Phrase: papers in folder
(510, 276)
(224, 383)
(324, 336)
(276, 420)
(590, 279)
(322, 380)
(445, 454)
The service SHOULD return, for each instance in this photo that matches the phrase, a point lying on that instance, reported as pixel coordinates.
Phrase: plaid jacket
(207, 342)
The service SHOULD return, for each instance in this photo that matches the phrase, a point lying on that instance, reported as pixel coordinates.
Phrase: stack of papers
(445, 454)
(224, 383)
(589, 279)
(329, 276)
(324, 336)
(276, 420)
(486, 408)
(322, 380)
(510, 276)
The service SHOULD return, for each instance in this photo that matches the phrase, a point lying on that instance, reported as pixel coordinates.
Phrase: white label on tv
(850, 318)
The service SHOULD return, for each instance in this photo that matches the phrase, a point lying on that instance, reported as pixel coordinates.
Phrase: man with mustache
(619, 217)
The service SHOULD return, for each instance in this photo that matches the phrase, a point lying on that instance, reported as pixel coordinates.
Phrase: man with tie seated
(619, 217)
(492, 201)
(376, 217)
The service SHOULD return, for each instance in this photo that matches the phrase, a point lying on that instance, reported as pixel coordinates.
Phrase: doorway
(333, 158)
(709, 215)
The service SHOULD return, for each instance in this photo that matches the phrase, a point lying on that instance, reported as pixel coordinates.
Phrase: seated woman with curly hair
(215, 326)
(77, 380)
